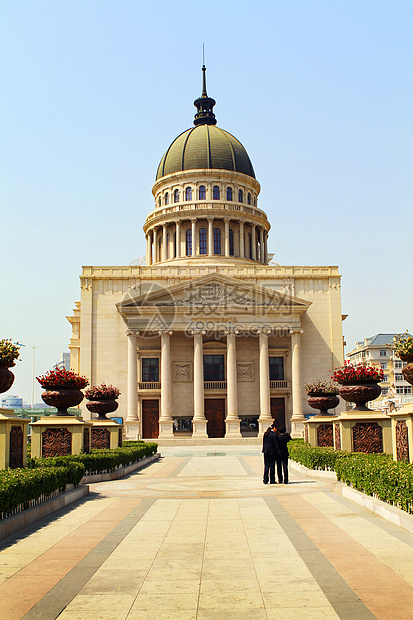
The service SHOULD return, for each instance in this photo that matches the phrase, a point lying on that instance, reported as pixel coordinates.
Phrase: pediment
(212, 292)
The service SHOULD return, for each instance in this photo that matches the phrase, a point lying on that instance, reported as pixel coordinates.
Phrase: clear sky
(93, 92)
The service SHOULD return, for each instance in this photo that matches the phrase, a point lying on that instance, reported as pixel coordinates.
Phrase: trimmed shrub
(100, 461)
(20, 487)
(377, 475)
(313, 457)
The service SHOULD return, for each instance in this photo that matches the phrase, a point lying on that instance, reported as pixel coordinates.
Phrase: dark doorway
(215, 415)
(278, 411)
(150, 419)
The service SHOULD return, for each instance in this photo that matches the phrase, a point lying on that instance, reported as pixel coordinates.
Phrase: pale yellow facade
(230, 339)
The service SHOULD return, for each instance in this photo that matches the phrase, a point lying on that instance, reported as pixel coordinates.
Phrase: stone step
(216, 441)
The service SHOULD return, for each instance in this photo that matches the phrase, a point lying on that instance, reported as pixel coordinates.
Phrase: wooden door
(215, 415)
(278, 411)
(150, 419)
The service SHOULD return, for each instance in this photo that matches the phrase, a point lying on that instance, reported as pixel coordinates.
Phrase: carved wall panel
(245, 371)
(120, 440)
(402, 441)
(56, 442)
(86, 440)
(100, 438)
(16, 447)
(306, 433)
(182, 372)
(337, 437)
(325, 435)
(367, 437)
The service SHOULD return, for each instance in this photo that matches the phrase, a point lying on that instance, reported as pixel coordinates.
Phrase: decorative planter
(62, 398)
(102, 406)
(360, 393)
(6, 376)
(408, 369)
(323, 401)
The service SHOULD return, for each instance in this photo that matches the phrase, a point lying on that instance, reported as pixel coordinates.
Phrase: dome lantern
(204, 104)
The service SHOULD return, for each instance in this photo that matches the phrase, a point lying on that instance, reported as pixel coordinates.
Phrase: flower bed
(376, 475)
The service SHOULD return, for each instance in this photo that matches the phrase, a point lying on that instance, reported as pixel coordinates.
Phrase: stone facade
(207, 318)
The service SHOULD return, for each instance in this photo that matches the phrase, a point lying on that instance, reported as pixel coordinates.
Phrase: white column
(210, 236)
(241, 240)
(199, 422)
(298, 416)
(178, 239)
(253, 242)
(261, 244)
(265, 419)
(155, 245)
(193, 223)
(232, 422)
(149, 248)
(165, 419)
(226, 235)
(164, 242)
(132, 426)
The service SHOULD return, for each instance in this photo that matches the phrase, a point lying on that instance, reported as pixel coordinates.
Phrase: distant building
(64, 362)
(378, 351)
(11, 402)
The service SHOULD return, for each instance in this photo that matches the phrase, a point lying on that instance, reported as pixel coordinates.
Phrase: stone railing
(149, 385)
(215, 385)
(279, 384)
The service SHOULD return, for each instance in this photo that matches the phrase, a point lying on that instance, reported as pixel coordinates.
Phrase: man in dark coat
(269, 448)
(282, 454)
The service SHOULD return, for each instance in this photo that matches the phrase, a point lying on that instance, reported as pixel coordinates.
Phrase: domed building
(207, 339)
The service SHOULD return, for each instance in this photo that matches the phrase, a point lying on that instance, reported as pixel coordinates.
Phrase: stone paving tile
(212, 543)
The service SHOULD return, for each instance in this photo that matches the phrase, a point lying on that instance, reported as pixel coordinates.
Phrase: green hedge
(21, 487)
(377, 475)
(100, 461)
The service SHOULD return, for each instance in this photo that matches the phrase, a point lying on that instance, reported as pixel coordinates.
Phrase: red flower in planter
(62, 378)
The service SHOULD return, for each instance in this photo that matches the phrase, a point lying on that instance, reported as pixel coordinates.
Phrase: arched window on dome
(249, 198)
(202, 192)
(189, 242)
(188, 194)
(217, 241)
(176, 195)
(229, 194)
(215, 192)
(240, 195)
(255, 202)
(166, 199)
(202, 241)
(159, 202)
(231, 242)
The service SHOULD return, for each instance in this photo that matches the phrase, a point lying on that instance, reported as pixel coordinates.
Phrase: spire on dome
(204, 105)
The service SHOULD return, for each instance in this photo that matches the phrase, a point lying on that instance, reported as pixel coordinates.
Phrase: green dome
(205, 146)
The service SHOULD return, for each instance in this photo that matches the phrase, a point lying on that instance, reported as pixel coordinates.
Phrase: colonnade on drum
(165, 241)
(199, 422)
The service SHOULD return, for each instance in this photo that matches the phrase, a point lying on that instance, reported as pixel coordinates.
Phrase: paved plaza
(196, 535)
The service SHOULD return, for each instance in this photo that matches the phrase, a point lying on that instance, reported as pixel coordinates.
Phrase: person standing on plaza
(269, 448)
(282, 454)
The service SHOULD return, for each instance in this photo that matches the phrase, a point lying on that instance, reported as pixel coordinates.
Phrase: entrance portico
(221, 324)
